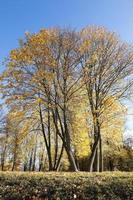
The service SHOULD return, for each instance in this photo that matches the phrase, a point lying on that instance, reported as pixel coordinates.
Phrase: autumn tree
(49, 77)
(107, 68)
(45, 69)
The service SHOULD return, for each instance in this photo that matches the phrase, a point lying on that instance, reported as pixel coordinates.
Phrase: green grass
(66, 186)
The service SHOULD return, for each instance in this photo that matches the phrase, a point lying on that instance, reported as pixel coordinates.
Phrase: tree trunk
(15, 156)
(14, 162)
(34, 160)
(30, 161)
(59, 159)
(65, 137)
(2, 161)
(96, 160)
(46, 142)
(3, 158)
(71, 160)
(41, 163)
(100, 155)
(25, 166)
(93, 154)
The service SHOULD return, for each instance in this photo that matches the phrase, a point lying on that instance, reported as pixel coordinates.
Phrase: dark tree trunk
(25, 166)
(100, 155)
(65, 137)
(34, 160)
(46, 142)
(31, 160)
(59, 159)
(14, 162)
(41, 163)
(15, 156)
(3, 159)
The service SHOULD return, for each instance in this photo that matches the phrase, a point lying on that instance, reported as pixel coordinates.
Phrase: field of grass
(66, 186)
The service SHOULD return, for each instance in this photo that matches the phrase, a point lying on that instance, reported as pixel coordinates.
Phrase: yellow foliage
(80, 128)
(113, 120)
(16, 115)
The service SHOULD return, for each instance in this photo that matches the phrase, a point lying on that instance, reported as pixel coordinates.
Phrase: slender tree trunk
(59, 160)
(56, 149)
(49, 142)
(100, 155)
(2, 162)
(25, 166)
(70, 154)
(71, 160)
(3, 159)
(68, 144)
(93, 154)
(96, 160)
(65, 139)
(96, 155)
(111, 166)
(41, 163)
(14, 162)
(31, 160)
(45, 140)
(15, 156)
(34, 160)
(3, 156)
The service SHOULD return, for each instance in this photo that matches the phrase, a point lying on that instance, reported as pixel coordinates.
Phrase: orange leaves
(20, 56)
(40, 38)
(42, 77)
(31, 50)
(24, 130)
(16, 115)
(13, 54)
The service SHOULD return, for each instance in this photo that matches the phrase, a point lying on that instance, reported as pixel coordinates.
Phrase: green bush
(66, 186)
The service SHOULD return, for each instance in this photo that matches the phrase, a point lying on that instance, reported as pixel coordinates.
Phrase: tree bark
(59, 159)
(31, 160)
(71, 160)
(46, 142)
(93, 154)
(96, 160)
(34, 160)
(100, 155)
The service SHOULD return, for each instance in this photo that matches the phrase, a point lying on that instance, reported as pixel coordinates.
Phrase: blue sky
(19, 16)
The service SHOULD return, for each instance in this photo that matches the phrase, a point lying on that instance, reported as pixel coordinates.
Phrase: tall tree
(107, 68)
(46, 68)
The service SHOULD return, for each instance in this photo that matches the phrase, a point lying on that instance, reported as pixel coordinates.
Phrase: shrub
(66, 186)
